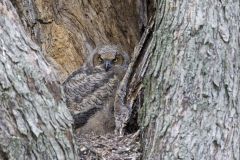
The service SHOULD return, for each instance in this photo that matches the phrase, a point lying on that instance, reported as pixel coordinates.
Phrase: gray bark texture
(191, 87)
(34, 120)
(191, 105)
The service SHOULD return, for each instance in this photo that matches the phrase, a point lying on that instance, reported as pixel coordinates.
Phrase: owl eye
(115, 60)
(100, 59)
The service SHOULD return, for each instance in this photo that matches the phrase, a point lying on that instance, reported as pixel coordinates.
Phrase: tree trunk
(67, 31)
(34, 120)
(191, 104)
(191, 90)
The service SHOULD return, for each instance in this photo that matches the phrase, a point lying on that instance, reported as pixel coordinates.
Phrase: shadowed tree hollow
(187, 72)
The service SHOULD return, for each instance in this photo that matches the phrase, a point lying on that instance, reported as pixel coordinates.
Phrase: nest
(108, 147)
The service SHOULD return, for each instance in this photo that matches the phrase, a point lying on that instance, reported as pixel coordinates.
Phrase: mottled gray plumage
(90, 91)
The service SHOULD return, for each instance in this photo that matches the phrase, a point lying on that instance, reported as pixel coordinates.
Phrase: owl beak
(107, 65)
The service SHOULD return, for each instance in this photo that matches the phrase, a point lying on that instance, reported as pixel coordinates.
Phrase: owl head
(108, 56)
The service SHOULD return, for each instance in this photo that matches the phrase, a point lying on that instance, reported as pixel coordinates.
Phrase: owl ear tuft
(90, 45)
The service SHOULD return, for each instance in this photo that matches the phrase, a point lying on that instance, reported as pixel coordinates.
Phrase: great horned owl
(90, 91)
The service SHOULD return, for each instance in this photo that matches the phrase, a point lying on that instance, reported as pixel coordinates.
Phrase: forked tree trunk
(31, 100)
(34, 120)
(191, 89)
(192, 99)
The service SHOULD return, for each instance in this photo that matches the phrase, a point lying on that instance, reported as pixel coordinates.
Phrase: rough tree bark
(191, 90)
(191, 105)
(34, 120)
(67, 30)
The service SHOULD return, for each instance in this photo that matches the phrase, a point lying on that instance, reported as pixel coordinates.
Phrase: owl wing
(87, 91)
(88, 88)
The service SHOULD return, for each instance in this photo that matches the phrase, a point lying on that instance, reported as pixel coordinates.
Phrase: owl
(90, 91)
